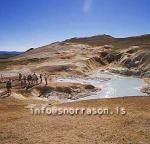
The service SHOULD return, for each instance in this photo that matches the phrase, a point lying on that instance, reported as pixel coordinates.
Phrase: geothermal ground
(99, 68)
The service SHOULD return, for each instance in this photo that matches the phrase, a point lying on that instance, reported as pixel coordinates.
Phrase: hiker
(24, 81)
(2, 79)
(20, 76)
(29, 79)
(45, 78)
(35, 78)
(9, 87)
(41, 78)
(20, 79)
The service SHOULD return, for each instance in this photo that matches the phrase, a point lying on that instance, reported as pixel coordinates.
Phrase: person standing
(41, 78)
(29, 79)
(34, 78)
(9, 87)
(2, 79)
(46, 79)
(24, 81)
(20, 76)
(20, 79)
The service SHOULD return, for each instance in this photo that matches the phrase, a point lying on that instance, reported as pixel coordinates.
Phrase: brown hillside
(143, 40)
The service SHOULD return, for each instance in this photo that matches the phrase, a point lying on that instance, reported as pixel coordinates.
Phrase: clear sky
(33, 23)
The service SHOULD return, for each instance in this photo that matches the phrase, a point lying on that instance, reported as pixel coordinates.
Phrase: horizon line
(146, 34)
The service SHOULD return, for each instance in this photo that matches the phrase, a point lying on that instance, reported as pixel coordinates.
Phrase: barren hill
(77, 59)
(80, 55)
(143, 40)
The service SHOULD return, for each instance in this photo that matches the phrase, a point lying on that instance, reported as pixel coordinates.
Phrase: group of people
(32, 79)
(27, 81)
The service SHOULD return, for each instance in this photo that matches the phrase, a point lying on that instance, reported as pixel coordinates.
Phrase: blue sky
(33, 23)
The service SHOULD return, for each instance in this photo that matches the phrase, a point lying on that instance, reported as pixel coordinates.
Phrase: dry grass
(7, 63)
(19, 126)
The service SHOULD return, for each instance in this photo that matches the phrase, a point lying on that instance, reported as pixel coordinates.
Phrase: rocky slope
(132, 53)
(79, 56)
(130, 56)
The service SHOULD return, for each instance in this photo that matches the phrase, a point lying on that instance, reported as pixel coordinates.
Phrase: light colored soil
(19, 126)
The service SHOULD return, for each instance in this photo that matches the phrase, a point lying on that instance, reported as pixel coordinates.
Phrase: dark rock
(30, 49)
(103, 53)
(146, 74)
(146, 89)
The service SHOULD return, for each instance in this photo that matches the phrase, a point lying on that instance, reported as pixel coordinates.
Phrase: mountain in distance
(8, 54)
